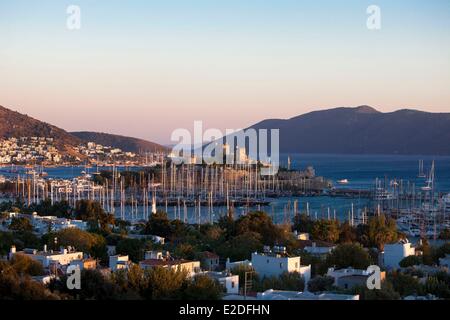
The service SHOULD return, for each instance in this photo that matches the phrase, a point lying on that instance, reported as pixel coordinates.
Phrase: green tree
(347, 233)
(131, 247)
(405, 284)
(23, 264)
(14, 286)
(381, 230)
(291, 281)
(325, 230)
(165, 284)
(203, 287)
(6, 241)
(21, 224)
(93, 213)
(241, 246)
(261, 223)
(386, 292)
(437, 287)
(302, 223)
(158, 225)
(348, 255)
(410, 261)
(320, 284)
(84, 241)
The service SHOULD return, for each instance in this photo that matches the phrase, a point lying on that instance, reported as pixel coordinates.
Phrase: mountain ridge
(363, 130)
(16, 124)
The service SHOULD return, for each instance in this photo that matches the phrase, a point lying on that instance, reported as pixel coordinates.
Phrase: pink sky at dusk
(145, 80)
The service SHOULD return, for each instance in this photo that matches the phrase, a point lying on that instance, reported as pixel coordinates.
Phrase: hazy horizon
(145, 68)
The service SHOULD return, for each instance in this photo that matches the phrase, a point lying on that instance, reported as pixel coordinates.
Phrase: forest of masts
(182, 186)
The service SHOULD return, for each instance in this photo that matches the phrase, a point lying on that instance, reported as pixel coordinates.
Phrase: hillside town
(42, 150)
(232, 259)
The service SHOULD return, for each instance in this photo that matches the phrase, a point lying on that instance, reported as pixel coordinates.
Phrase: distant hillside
(122, 142)
(14, 124)
(364, 130)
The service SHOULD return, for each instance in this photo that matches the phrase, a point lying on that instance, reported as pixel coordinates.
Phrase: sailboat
(421, 172)
(430, 180)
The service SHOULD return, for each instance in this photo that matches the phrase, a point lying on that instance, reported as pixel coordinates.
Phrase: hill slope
(364, 130)
(117, 141)
(15, 124)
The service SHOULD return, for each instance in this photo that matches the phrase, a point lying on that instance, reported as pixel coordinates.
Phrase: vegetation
(411, 261)
(155, 284)
(321, 283)
(348, 255)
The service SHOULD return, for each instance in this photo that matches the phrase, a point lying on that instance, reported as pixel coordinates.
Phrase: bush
(320, 283)
(410, 261)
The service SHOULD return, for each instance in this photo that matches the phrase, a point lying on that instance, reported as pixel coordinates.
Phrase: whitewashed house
(62, 257)
(275, 262)
(396, 252)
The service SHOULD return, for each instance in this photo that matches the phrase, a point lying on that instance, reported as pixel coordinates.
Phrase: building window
(281, 265)
(232, 284)
(267, 260)
(296, 265)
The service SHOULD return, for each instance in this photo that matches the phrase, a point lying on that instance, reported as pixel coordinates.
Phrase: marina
(202, 194)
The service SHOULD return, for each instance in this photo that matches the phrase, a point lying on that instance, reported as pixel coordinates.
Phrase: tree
(21, 224)
(325, 230)
(93, 213)
(6, 241)
(381, 230)
(437, 287)
(84, 241)
(164, 284)
(203, 287)
(94, 286)
(386, 292)
(348, 233)
(320, 284)
(241, 246)
(131, 247)
(302, 223)
(348, 255)
(427, 252)
(23, 264)
(410, 261)
(260, 222)
(158, 225)
(291, 281)
(21, 287)
(405, 284)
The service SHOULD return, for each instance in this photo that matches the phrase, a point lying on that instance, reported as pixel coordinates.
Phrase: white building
(229, 281)
(62, 257)
(275, 263)
(319, 250)
(232, 265)
(119, 262)
(293, 295)
(349, 277)
(396, 252)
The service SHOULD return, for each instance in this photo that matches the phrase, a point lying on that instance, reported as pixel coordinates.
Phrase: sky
(146, 68)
